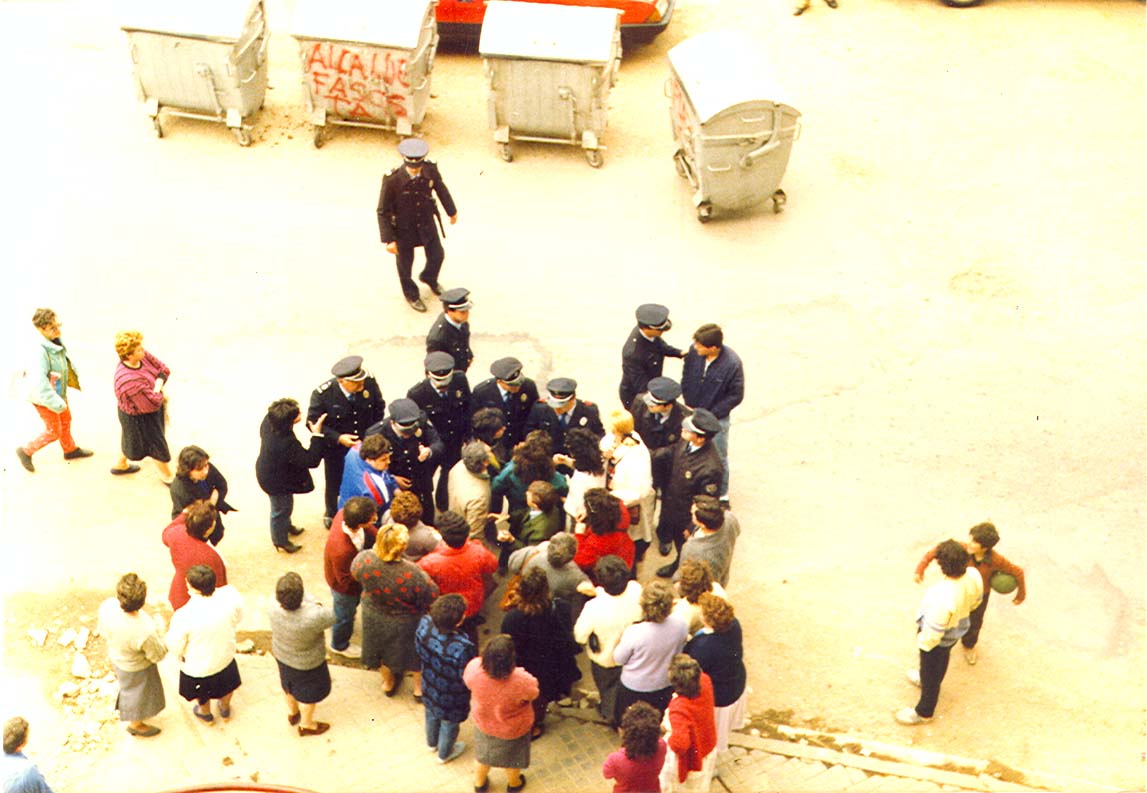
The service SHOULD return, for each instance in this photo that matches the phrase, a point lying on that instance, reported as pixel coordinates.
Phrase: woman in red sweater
(500, 705)
(692, 735)
(607, 523)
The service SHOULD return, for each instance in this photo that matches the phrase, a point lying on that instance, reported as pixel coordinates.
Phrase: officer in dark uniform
(690, 467)
(407, 213)
(510, 391)
(644, 353)
(444, 396)
(657, 415)
(415, 450)
(451, 331)
(563, 411)
(352, 401)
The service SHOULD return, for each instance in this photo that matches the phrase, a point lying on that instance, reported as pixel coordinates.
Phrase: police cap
(349, 368)
(508, 370)
(702, 422)
(561, 390)
(653, 316)
(404, 412)
(413, 150)
(661, 391)
(456, 299)
(439, 363)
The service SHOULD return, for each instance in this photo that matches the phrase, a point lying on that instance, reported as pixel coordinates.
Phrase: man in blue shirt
(713, 378)
(18, 773)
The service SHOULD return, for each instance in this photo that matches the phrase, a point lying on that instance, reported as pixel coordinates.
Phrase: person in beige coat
(469, 487)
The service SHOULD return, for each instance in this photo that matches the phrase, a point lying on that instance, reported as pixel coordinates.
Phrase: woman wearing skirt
(501, 704)
(298, 622)
(139, 381)
(134, 648)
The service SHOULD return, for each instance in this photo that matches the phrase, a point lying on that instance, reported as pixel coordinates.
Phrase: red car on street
(641, 20)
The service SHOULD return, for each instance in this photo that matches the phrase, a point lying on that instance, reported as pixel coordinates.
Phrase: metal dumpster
(733, 142)
(549, 69)
(366, 64)
(206, 59)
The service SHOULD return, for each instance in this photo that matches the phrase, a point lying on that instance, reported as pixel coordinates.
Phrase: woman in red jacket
(692, 735)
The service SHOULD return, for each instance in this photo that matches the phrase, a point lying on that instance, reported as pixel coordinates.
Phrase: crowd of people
(431, 502)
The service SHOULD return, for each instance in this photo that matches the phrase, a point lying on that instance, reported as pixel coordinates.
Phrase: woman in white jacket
(629, 476)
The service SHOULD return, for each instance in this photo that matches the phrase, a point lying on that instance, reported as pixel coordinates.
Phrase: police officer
(657, 415)
(451, 331)
(562, 410)
(510, 391)
(407, 213)
(690, 467)
(352, 401)
(644, 353)
(444, 396)
(415, 450)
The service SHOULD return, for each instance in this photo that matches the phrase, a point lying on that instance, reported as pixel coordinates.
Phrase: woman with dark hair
(589, 468)
(196, 479)
(283, 467)
(298, 643)
(604, 530)
(615, 606)
(139, 381)
(646, 647)
(544, 642)
(636, 766)
(692, 732)
(500, 697)
(532, 461)
(202, 636)
(444, 650)
(719, 649)
(395, 595)
(134, 648)
(188, 539)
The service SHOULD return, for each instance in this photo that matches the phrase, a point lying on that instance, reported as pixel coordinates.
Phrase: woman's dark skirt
(214, 686)
(143, 436)
(500, 752)
(307, 686)
(388, 639)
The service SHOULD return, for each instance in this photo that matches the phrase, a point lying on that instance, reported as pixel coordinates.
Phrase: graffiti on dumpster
(357, 83)
(684, 126)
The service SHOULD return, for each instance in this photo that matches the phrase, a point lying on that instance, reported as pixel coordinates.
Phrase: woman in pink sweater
(500, 705)
(692, 725)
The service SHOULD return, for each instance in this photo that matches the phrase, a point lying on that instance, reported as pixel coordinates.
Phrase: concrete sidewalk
(377, 744)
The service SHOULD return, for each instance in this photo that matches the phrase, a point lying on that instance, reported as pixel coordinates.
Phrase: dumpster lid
(385, 23)
(721, 69)
(543, 31)
(222, 20)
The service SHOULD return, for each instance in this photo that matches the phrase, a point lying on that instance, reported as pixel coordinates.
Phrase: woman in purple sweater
(647, 647)
(139, 381)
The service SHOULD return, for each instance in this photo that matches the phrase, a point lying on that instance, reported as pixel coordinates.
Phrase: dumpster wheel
(319, 136)
(243, 135)
(705, 212)
(679, 161)
(506, 152)
(155, 122)
(594, 158)
(779, 201)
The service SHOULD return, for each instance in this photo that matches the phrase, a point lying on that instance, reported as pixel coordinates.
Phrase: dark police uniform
(643, 359)
(445, 337)
(353, 414)
(517, 406)
(657, 434)
(583, 414)
(407, 214)
(682, 474)
(449, 414)
(404, 457)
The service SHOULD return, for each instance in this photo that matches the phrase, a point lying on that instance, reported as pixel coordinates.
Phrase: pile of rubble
(89, 697)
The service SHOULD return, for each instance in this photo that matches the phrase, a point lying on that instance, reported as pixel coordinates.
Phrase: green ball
(1004, 583)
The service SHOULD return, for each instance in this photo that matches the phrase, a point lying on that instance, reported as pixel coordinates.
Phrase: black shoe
(517, 787)
(327, 521)
(417, 304)
(295, 531)
(435, 287)
(131, 469)
(667, 571)
(665, 548)
(77, 454)
(289, 547)
(25, 459)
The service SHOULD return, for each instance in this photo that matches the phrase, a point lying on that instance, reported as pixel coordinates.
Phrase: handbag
(510, 596)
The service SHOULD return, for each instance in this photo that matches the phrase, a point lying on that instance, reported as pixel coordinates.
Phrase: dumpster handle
(773, 141)
(567, 93)
(204, 71)
(260, 57)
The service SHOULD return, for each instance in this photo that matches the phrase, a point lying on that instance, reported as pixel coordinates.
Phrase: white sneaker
(352, 651)
(910, 717)
(458, 749)
(913, 676)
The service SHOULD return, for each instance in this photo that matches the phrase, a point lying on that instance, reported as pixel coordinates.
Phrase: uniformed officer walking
(690, 467)
(451, 331)
(415, 450)
(561, 411)
(510, 391)
(644, 353)
(444, 396)
(352, 402)
(407, 213)
(657, 415)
